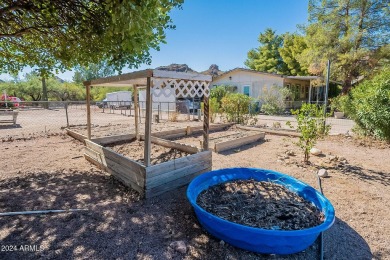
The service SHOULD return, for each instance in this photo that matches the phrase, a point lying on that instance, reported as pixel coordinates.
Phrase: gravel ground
(49, 172)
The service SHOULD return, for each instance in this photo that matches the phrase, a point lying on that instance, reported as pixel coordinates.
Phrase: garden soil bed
(260, 204)
(135, 151)
(228, 134)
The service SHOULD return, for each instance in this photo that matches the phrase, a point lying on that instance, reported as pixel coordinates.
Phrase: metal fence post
(326, 91)
(66, 112)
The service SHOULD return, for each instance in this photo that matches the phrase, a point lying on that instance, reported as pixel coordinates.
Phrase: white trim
(180, 75)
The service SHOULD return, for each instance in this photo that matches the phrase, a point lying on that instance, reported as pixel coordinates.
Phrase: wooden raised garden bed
(148, 180)
(222, 137)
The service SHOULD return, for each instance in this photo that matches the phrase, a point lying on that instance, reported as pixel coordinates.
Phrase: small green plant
(236, 108)
(311, 126)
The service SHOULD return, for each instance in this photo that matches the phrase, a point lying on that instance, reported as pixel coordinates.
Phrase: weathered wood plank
(88, 96)
(182, 132)
(175, 145)
(155, 170)
(223, 146)
(136, 121)
(173, 185)
(177, 174)
(120, 177)
(129, 164)
(76, 135)
(169, 132)
(126, 173)
(269, 131)
(148, 123)
(122, 170)
(113, 139)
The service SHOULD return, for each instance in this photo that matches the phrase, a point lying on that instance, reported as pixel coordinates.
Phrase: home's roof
(268, 74)
(139, 78)
(303, 77)
(251, 71)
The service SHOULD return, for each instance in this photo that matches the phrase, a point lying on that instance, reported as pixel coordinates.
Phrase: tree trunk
(44, 93)
(347, 85)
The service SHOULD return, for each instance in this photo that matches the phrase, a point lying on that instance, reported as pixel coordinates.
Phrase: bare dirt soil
(227, 134)
(135, 151)
(49, 172)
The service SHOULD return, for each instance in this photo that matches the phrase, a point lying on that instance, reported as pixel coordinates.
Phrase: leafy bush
(237, 107)
(368, 105)
(214, 108)
(340, 104)
(273, 100)
(311, 125)
(220, 91)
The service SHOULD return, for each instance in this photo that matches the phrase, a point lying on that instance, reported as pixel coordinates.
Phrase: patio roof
(139, 78)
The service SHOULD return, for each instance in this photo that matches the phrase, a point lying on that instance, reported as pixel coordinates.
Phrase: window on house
(246, 90)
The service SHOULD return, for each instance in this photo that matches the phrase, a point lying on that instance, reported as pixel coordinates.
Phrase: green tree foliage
(368, 105)
(236, 107)
(266, 57)
(273, 99)
(66, 33)
(293, 46)
(93, 71)
(311, 126)
(67, 91)
(30, 89)
(353, 34)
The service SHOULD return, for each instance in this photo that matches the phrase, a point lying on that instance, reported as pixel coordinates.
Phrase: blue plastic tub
(257, 239)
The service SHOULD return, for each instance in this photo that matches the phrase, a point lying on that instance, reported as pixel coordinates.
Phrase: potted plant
(337, 107)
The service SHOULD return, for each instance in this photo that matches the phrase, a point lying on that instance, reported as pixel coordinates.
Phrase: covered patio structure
(151, 180)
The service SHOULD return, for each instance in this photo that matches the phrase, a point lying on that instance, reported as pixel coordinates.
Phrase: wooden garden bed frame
(152, 180)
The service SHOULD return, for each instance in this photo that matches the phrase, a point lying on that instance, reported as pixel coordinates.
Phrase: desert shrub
(236, 108)
(368, 104)
(273, 100)
(311, 126)
(173, 117)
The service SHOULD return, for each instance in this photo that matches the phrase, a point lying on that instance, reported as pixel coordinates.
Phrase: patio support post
(310, 94)
(135, 94)
(148, 123)
(88, 87)
(206, 121)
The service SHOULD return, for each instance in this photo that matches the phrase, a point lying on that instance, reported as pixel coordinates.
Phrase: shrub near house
(368, 105)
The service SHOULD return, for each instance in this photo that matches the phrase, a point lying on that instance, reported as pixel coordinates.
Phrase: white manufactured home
(253, 83)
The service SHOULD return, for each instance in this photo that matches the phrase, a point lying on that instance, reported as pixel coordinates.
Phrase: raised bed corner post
(88, 88)
(135, 94)
(206, 122)
(148, 123)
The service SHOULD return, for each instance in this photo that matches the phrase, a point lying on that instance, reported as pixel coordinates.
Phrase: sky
(219, 32)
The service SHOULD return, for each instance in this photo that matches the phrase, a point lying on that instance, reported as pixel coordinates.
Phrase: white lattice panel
(180, 88)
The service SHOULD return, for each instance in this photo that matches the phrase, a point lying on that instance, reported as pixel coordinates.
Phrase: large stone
(315, 151)
(179, 246)
(322, 173)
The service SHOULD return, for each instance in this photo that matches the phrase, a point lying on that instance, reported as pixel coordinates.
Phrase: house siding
(255, 80)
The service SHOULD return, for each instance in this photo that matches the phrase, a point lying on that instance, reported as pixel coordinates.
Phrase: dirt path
(50, 173)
